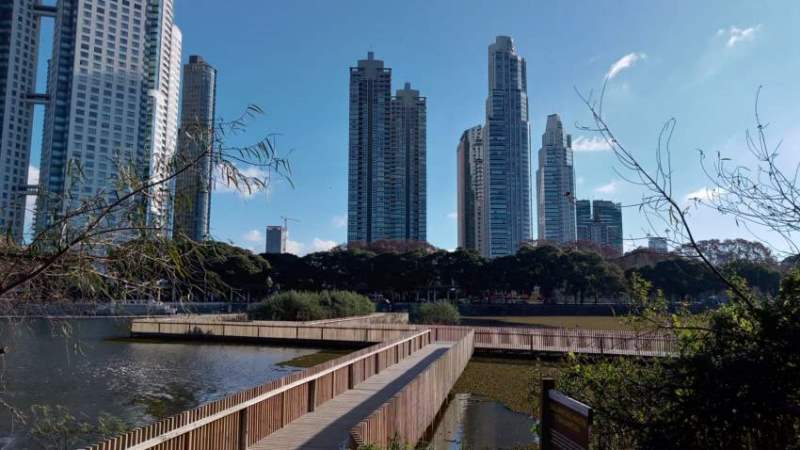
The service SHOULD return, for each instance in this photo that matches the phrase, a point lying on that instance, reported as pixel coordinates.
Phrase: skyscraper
(507, 143)
(600, 223)
(658, 244)
(196, 137)
(387, 169)
(19, 41)
(276, 239)
(113, 86)
(405, 167)
(555, 185)
(370, 99)
(583, 218)
(470, 190)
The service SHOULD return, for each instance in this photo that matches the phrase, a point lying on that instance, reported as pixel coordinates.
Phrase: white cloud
(222, 186)
(30, 201)
(705, 194)
(322, 245)
(623, 63)
(590, 144)
(737, 35)
(609, 188)
(453, 215)
(253, 236)
(339, 221)
(295, 247)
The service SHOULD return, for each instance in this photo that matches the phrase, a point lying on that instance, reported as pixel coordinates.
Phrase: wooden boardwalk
(329, 426)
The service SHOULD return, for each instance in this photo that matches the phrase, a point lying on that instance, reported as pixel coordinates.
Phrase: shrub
(346, 303)
(438, 314)
(305, 306)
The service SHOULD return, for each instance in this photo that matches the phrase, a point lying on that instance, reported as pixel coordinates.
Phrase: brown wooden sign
(565, 422)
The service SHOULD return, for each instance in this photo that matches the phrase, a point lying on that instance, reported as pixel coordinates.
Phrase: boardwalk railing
(587, 341)
(410, 412)
(242, 419)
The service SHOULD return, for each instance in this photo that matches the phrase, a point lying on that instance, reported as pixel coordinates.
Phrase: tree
(733, 382)
(118, 225)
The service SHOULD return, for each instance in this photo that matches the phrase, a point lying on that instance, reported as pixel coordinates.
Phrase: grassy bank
(505, 380)
(593, 322)
(313, 359)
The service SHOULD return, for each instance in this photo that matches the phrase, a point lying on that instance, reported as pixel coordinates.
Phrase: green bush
(438, 314)
(304, 306)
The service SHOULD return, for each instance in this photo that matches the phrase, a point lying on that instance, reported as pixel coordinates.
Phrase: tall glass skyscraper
(193, 186)
(370, 99)
(113, 88)
(507, 141)
(555, 182)
(470, 189)
(600, 222)
(387, 152)
(405, 167)
(19, 40)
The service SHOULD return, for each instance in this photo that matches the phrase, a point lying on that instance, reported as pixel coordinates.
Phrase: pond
(86, 366)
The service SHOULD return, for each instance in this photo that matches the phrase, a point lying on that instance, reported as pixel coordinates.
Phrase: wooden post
(312, 395)
(284, 410)
(351, 376)
(377, 363)
(242, 429)
(545, 424)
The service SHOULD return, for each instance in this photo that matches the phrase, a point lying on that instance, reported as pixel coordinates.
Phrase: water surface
(477, 423)
(78, 364)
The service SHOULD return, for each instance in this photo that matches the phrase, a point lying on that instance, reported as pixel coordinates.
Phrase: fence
(242, 419)
(587, 341)
(408, 414)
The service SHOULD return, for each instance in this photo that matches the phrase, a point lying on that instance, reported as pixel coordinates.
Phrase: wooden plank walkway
(328, 427)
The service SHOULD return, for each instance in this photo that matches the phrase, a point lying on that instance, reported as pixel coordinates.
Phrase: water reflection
(478, 423)
(89, 373)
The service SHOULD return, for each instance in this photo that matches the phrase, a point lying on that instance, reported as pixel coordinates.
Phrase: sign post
(566, 423)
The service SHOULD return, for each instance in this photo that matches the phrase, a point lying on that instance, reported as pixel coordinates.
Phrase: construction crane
(286, 221)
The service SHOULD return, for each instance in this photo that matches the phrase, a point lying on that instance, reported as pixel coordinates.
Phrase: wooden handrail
(198, 423)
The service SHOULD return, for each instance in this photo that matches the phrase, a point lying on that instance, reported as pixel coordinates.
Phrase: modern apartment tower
(113, 89)
(600, 222)
(507, 142)
(470, 179)
(19, 41)
(405, 167)
(658, 244)
(555, 184)
(276, 239)
(370, 99)
(387, 151)
(195, 145)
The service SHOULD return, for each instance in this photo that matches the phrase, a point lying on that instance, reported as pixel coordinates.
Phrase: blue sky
(700, 62)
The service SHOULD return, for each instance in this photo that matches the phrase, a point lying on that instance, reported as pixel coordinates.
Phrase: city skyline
(595, 178)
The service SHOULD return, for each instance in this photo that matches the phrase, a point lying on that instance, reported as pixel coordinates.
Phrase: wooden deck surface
(328, 427)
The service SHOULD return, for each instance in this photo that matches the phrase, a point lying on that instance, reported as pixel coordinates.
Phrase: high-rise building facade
(405, 167)
(658, 244)
(195, 143)
(387, 152)
(507, 157)
(113, 85)
(600, 223)
(19, 41)
(555, 185)
(470, 190)
(276, 239)
(370, 99)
